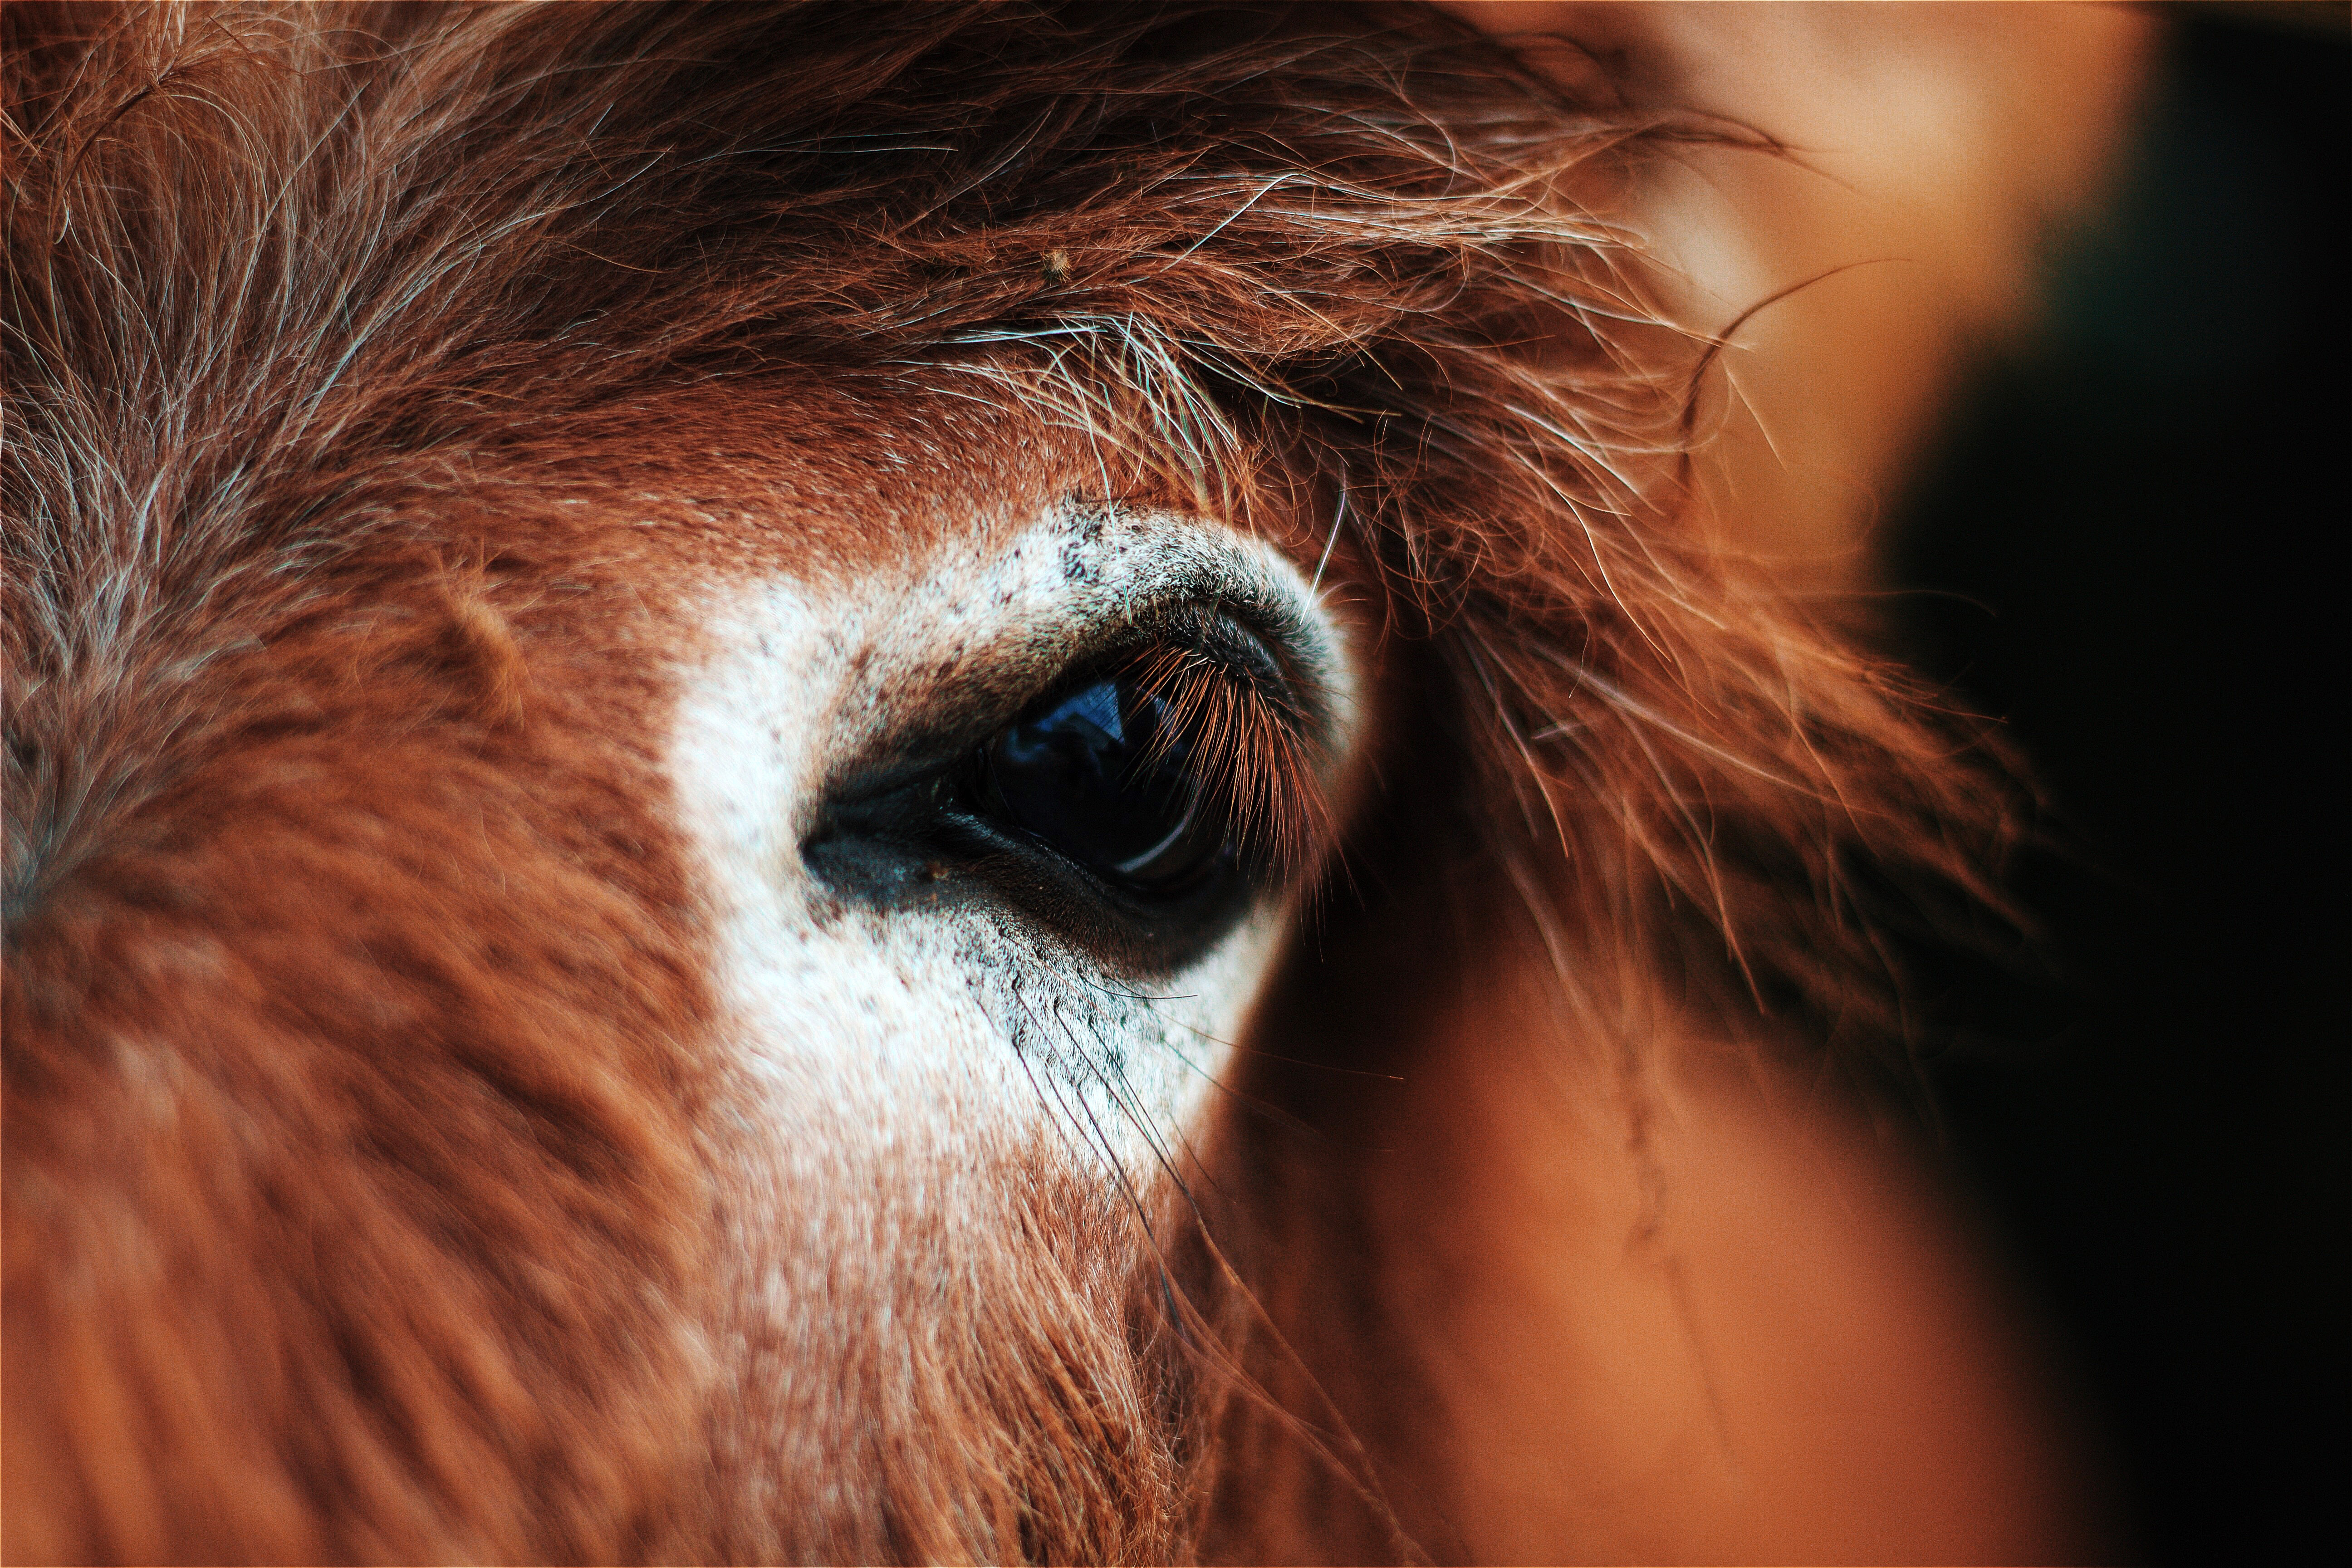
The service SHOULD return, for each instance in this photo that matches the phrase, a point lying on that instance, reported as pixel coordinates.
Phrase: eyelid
(960, 715)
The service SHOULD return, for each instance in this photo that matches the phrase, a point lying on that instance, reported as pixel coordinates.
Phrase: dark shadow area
(2131, 545)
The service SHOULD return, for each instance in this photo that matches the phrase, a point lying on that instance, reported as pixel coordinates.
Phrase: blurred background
(2036, 376)
(2127, 540)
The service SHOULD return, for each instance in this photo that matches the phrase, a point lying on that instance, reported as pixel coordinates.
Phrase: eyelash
(1154, 771)
(1260, 768)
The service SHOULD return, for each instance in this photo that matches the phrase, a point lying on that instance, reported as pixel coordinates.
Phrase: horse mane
(276, 272)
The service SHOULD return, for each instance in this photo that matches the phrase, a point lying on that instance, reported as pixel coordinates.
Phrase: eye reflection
(1105, 774)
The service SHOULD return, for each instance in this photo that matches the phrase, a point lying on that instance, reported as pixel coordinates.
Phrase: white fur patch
(886, 1040)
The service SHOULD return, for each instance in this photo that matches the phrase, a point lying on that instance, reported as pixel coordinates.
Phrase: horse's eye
(1105, 774)
(1136, 810)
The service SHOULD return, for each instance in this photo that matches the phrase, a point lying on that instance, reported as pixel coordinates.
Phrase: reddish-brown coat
(363, 1196)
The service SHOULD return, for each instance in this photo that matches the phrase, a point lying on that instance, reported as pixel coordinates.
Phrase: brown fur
(362, 1195)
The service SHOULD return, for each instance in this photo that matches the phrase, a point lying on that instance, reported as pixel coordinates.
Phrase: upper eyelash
(1252, 748)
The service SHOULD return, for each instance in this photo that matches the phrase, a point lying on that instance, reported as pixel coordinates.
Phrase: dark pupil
(1099, 774)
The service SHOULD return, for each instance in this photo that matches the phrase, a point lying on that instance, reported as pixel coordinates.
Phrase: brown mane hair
(309, 312)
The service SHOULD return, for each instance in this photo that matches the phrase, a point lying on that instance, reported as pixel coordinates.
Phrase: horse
(917, 782)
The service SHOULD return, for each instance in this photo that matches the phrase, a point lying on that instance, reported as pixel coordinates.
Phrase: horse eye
(1106, 774)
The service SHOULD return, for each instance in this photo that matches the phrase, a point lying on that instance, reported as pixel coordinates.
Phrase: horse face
(680, 684)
